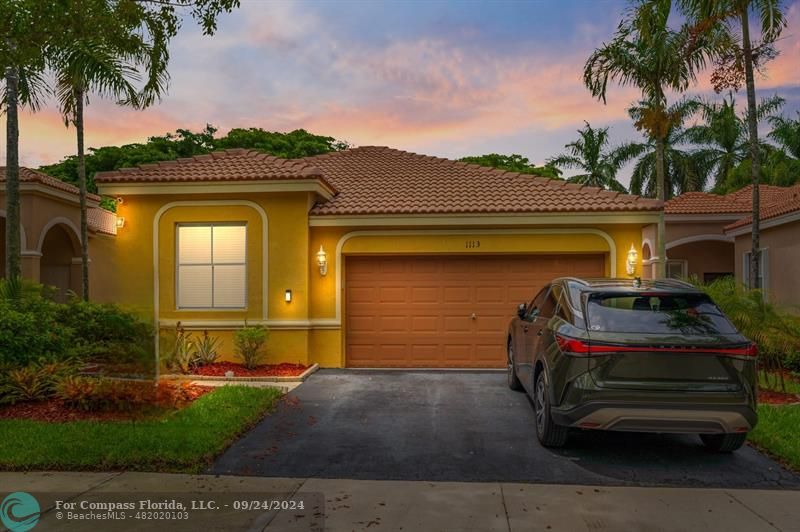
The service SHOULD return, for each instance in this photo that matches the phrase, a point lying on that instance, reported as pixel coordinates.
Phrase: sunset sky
(441, 78)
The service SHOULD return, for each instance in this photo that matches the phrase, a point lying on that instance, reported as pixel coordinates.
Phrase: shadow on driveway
(465, 426)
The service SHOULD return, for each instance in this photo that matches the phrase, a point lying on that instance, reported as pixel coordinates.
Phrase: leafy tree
(590, 155)
(723, 135)
(649, 55)
(683, 170)
(27, 28)
(186, 143)
(786, 133)
(513, 163)
(737, 56)
(778, 169)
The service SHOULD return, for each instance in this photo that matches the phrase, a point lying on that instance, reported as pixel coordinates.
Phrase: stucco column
(31, 265)
(75, 273)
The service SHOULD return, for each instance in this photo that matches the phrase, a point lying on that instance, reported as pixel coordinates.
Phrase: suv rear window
(656, 313)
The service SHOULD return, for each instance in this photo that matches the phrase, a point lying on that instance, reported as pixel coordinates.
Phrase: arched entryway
(704, 258)
(60, 266)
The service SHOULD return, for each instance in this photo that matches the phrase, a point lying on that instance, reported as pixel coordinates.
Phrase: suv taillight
(577, 347)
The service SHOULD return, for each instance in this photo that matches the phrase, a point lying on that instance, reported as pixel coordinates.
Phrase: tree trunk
(80, 97)
(755, 162)
(13, 247)
(661, 268)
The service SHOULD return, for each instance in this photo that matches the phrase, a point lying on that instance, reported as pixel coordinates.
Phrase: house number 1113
(470, 244)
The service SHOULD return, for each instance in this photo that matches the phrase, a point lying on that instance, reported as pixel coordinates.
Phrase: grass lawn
(778, 432)
(185, 441)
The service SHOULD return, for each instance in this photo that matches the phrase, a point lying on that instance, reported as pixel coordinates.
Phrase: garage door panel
(415, 311)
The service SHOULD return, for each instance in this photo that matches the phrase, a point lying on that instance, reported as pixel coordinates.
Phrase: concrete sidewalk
(410, 506)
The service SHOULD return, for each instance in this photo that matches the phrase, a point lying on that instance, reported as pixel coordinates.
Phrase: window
(211, 266)
(549, 306)
(677, 269)
(763, 274)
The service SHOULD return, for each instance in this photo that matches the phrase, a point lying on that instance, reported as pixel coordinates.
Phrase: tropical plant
(786, 133)
(182, 353)
(249, 341)
(34, 382)
(590, 154)
(206, 347)
(684, 171)
(722, 136)
(737, 55)
(513, 163)
(649, 55)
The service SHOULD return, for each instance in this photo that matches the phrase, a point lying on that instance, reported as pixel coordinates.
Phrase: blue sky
(443, 78)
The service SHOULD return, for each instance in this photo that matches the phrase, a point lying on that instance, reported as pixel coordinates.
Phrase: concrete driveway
(465, 426)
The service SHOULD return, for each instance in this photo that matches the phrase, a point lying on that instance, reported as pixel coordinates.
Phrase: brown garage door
(417, 311)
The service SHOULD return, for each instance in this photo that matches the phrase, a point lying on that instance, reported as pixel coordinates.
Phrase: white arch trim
(23, 240)
(52, 223)
(699, 238)
(210, 203)
(612, 247)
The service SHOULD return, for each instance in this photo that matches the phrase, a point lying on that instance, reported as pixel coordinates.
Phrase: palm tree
(723, 136)
(103, 61)
(684, 171)
(737, 56)
(590, 155)
(786, 133)
(646, 53)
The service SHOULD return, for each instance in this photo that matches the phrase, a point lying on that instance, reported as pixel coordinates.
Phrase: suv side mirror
(521, 310)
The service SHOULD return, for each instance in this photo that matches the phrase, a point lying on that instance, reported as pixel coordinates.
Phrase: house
(696, 242)
(779, 244)
(368, 257)
(50, 234)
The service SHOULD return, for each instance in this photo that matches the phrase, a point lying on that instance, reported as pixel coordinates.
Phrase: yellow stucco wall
(310, 328)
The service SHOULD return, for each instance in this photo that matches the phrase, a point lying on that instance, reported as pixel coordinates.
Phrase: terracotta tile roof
(380, 180)
(738, 202)
(789, 202)
(229, 165)
(29, 175)
(101, 221)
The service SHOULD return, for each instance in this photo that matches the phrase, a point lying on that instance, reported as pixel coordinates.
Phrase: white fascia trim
(703, 217)
(699, 238)
(287, 325)
(612, 247)
(209, 203)
(483, 220)
(766, 224)
(219, 187)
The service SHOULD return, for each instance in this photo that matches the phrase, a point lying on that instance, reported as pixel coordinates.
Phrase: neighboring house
(50, 235)
(780, 247)
(369, 257)
(696, 242)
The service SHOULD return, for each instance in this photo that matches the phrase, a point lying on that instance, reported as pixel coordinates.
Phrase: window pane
(229, 286)
(229, 244)
(194, 286)
(194, 244)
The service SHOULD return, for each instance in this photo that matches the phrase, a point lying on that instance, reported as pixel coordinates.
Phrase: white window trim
(178, 266)
(763, 268)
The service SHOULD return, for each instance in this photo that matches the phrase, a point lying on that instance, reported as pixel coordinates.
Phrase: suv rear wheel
(549, 434)
(724, 443)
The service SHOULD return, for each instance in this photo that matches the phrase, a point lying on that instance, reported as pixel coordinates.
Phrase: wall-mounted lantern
(633, 258)
(120, 222)
(322, 261)
(288, 295)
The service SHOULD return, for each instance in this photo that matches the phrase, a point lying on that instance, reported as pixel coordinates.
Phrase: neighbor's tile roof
(788, 202)
(29, 175)
(101, 221)
(737, 202)
(380, 180)
(229, 165)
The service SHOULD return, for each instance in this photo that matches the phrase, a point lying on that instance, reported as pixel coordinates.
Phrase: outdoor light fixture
(322, 261)
(120, 222)
(633, 258)
(288, 295)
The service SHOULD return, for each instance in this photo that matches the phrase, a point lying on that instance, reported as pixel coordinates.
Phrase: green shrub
(181, 352)
(249, 342)
(35, 382)
(93, 394)
(206, 349)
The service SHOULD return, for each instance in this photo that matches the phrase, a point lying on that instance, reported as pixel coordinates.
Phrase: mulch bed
(771, 397)
(55, 411)
(218, 369)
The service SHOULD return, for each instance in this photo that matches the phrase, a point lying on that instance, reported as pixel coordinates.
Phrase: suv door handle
(525, 328)
(540, 332)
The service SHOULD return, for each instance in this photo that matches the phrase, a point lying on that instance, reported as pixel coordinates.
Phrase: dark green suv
(631, 355)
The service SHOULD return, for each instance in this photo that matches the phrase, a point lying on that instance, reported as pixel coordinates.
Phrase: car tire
(513, 380)
(549, 434)
(724, 443)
